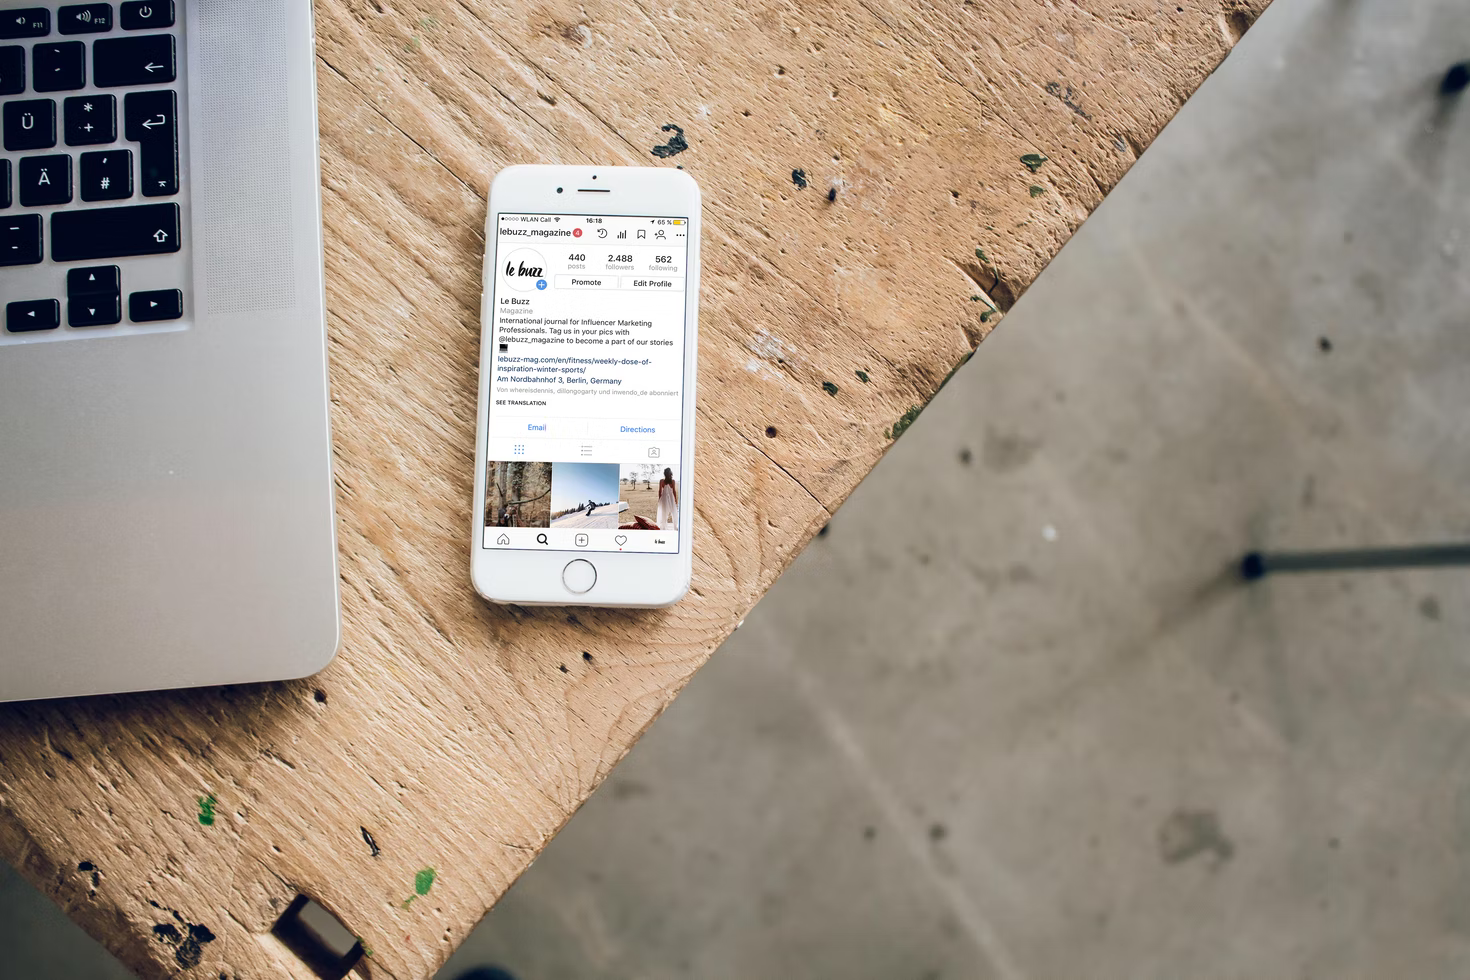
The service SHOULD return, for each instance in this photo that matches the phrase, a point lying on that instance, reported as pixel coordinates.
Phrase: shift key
(108, 233)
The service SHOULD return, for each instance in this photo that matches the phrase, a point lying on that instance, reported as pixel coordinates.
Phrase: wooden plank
(458, 736)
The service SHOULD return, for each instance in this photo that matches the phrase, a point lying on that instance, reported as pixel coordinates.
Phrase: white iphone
(584, 458)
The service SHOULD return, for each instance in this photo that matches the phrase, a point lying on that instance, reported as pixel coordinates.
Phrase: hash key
(45, 180)
(59, 67)
(30, 125)
(89, 120)
(12, 69)
(151, 121)
(107, 175)
(20, 239)
(144, 60)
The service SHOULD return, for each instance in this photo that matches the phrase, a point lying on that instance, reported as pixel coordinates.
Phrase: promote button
(586, 282)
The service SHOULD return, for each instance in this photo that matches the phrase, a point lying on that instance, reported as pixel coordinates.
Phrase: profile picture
(518, 494)
(585, 495)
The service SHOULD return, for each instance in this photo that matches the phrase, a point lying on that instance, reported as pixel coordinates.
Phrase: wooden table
(882, 182)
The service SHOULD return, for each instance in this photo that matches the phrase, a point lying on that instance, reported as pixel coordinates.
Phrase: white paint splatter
(1048, 533)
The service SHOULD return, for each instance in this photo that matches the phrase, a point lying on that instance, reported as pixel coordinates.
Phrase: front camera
(558, 190)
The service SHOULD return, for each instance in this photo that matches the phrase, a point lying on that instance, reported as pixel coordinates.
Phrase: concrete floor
(1035, 730)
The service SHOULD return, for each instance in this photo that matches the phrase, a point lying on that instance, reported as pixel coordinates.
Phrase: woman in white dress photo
(668, 502)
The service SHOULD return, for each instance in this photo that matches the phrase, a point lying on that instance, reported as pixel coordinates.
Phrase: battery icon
(678, 221)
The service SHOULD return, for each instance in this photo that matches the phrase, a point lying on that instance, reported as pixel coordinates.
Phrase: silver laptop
(166, 502)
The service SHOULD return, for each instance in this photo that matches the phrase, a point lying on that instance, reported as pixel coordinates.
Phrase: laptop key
(4, 184)
(20, 240)
(35, 314)
(106, 233)
(59, 67)
(144, 60)
(45, 180)
(88, 120)
(30, 22)
(143, 15)
(107, 175)
(12, 69)
(160, 304)
(102, 310)
(93, 281)
(151, 121)
(30, 125)
(85, 18)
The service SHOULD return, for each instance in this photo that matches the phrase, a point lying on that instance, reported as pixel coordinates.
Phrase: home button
(579, 576)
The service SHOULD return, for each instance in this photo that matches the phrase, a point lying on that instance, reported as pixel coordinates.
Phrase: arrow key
(94, 311)
(36, 314)
(159, 304)
(94, 280)
(150, 119)
(147, 59)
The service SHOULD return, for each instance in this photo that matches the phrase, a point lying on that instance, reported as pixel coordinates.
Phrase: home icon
(503, 539)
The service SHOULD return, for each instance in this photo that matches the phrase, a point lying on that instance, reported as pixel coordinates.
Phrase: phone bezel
(623, 579)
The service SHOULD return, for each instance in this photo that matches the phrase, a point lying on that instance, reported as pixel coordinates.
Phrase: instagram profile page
(586, 391)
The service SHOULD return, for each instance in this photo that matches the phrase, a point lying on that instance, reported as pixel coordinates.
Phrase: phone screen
(586, 391)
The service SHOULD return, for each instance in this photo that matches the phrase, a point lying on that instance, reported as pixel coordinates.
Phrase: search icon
(540, 539)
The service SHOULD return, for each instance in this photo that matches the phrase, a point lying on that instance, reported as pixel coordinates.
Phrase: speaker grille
(242, 203)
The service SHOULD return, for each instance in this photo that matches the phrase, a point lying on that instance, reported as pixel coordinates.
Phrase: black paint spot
(1324, 344)
(863, 376)
(563, 669)
(798, 177)
(770, 432)
(830, 388)
(831, 194)
(86, 866)
(1429, 607)
(586, 656)
(938, 831)
(1456, 80)
(966, 457)
(367, 839)
(676, 144)
(870, 832)
(189, 945)
(320, 695)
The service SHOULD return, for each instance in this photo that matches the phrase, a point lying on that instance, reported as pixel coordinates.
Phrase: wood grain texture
(462, 736)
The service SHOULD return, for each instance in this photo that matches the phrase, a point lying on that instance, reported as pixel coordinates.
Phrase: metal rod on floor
(1259, 564)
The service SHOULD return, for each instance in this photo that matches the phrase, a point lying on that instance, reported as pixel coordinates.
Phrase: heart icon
(621, 539)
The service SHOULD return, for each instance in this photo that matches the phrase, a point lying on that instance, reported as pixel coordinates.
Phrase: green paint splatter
(985, 317)
(206, 809)
(1033, 161)
(829, 388)
(366, 949)
(422, 882)
(980, 254)
(862, 376)
(904, 421)
(428, 23)
(1037, 190)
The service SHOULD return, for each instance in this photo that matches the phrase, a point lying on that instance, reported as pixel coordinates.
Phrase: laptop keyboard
(91, 196)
